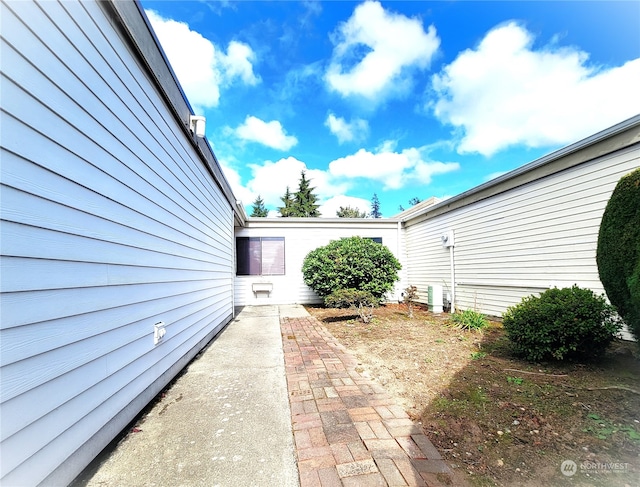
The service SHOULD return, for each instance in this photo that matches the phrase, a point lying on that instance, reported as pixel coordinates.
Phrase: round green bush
(351, 263)
(570, 323)
(618, 253)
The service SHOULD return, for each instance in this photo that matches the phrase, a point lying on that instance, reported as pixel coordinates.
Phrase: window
(375, 239)
(260, 256)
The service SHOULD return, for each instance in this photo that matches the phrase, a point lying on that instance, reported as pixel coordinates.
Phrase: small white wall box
(197, 124)
(434, 298)
(262, 288)
(447, 239)
(159, 331)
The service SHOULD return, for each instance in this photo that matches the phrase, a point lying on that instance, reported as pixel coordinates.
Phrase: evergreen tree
(375, 207)
(287, 199)
(349, 212)
(304, 200)
(618, 251)
(412, 202)
(258, 208)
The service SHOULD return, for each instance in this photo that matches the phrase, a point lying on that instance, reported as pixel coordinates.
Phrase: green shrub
(362, 301)
(345, 298)
(351, 263)
(568, 323)
(469, 320)
(618, 254)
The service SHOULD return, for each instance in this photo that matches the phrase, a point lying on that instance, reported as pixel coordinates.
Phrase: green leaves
(568, 323)
(351, 263)
(361, 301)
(303, 203)
(469, 320)
(618, 252)
(349, 212)
(259, 209)
(604, 429)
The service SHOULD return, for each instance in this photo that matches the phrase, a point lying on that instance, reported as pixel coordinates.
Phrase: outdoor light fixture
(196, 124)
(447, 239)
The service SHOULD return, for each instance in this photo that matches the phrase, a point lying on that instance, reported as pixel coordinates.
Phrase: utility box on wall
(448, 239)
(434, 298)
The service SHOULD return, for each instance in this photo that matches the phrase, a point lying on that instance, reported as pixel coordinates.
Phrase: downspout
(233, 262)
(448, 240)
(401, 258)
(239, 215)
(453, 279)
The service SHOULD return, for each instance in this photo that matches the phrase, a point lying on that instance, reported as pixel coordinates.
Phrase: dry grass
(499, 420)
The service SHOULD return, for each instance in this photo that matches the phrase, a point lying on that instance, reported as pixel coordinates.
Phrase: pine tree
(349, 212)
(287, 199)
(412, 202)
(258, 208)
(375, 207)
(304, 200)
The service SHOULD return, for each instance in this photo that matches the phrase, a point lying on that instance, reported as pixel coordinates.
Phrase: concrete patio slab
(225, 422)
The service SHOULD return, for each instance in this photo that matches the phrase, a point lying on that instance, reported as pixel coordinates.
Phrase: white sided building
(279, 246)
(116, 228)
(529, 230)
(124, 251)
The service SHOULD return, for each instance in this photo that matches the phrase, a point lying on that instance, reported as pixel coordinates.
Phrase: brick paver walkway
(348, 431)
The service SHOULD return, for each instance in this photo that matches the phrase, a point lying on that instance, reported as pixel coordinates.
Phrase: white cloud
(312, 8)
(505, 93)
(394, 45)
(238, 63)
(424, 171)
(332, 205)
(270, 134)
(298, 81)
(235, 181)
(201, 67)
(355, 130)
(393, 169)
(270, 180)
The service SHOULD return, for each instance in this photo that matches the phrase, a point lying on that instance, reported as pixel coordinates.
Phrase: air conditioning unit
(434, 298)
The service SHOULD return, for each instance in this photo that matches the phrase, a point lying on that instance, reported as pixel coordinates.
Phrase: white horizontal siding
(520, 242)
(300, 239)
(110, 222)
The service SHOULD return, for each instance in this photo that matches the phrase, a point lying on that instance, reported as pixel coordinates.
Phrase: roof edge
(620, 136)
(135, 25)
(320, 220)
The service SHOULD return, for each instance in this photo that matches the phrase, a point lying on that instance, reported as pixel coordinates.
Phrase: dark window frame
(251, 253)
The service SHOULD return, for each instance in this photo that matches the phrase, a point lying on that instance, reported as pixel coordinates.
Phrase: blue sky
(401, 99)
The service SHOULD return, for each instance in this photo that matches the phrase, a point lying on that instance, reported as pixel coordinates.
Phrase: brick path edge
(348, 431)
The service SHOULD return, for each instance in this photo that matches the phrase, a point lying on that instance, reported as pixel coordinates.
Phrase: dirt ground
(498, 420)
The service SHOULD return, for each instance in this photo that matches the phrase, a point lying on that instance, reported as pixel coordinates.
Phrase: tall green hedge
(618, 254)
